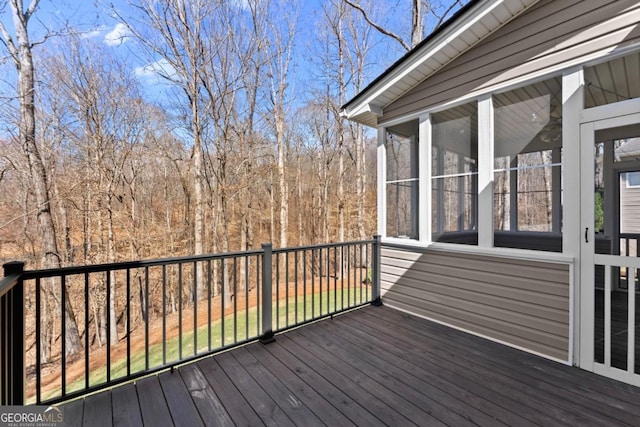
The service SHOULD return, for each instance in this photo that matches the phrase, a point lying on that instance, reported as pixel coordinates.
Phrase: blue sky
(94, 19)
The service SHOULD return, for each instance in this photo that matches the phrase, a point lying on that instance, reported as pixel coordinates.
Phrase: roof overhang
(470, 25)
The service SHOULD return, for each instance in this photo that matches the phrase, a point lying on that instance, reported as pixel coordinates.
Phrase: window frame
(571, 83)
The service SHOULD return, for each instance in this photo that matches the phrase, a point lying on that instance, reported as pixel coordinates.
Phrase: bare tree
(279, 59)
(20, 51)
(177, 34)
(359, 43)
(419, 8)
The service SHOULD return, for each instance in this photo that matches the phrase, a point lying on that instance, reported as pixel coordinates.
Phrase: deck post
(375, 276)
(12, 367)
(267, 294)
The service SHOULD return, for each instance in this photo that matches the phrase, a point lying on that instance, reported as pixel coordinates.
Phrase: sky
(94, 19)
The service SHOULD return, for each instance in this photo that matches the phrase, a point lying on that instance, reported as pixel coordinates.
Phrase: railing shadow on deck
(130, 319)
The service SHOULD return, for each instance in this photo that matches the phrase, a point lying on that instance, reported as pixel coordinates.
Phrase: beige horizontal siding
(629, 206)
(550, 34)
(523, 303)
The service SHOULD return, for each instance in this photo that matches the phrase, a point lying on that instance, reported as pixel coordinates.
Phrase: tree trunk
(416, 23)
(111, 250)
(282, 183)
(198, 168)
(21, 55)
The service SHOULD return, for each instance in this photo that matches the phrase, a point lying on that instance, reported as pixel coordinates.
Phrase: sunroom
(507, 172)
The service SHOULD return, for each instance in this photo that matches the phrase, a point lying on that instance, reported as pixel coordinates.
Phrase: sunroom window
(527, 167)
(454, 175)
(401, 184)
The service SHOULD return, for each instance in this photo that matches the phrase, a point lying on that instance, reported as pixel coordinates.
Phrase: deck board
(264, 405)
(125, 406)
(73, 413)
(153, 404)
(97, 410)
(209, 405)
(374, 366)
(468, 368)
(313, 400)
(534, 375)
(239, 410)
(288, 401)
(349, 384)
(457, 392)
(411, 388)
(181, 405)
(333, 395)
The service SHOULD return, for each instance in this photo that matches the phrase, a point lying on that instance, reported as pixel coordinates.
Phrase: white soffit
(459, 36)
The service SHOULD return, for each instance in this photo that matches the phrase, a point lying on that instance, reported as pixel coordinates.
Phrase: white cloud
(151, 71)
(117, 36)
(93, 33)
(241, 4)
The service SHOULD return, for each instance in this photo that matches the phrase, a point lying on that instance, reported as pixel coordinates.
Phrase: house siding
(522, 303)
(629, 208)
(547, 37)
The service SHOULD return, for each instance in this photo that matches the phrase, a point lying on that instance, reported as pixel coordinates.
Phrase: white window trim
(485, 171)
(382, 178)
(424, 184)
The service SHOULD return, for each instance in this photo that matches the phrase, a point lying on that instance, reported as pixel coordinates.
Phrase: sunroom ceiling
(612, 81)
(458, 35)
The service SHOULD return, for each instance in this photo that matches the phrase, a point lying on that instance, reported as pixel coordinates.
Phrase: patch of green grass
(223, 333)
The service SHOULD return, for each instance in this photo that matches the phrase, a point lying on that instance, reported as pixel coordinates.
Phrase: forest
(213, 127)
(234, 150)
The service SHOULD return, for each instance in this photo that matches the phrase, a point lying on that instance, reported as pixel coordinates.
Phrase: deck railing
(129, 319)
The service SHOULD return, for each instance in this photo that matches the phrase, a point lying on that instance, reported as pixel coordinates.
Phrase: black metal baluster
(320, 267)
(328, 267)
(63, 333)
(368, 279)
(335, 279)
(348, 276)
(108, 310)
(222, 298)
(195, 307)
(147, 318)
(340, 275)
(235, 301)
(277, 291)
(86, 331)
(180, 311)
(295, 274)
(247, 259)
(38, 343)
(360, 270)
(304, 280)
(286, 288)
(258, 296)
(128, 321)
(209, 304)
(164, 314)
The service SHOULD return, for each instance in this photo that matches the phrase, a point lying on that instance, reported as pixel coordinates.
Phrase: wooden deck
(373, 366)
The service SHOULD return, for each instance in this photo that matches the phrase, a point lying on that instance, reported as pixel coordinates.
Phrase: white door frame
(591, 120)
